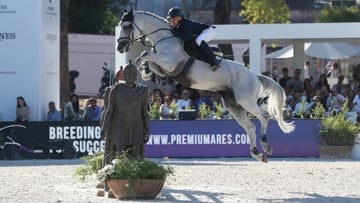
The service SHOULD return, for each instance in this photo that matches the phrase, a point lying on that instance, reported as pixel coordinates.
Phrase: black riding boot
(212, 59)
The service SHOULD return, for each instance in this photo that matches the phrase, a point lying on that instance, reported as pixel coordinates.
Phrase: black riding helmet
(174, 12)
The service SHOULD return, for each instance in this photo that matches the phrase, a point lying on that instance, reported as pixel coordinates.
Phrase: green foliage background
(95, 16)
(339, 14)
(265, 11)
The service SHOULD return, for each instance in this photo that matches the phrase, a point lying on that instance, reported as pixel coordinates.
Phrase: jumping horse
(239, 87)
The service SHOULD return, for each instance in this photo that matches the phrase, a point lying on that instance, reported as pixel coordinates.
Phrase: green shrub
(337, 130)
(154, 112)
(93, 163)
(132, 169)
(204, 111)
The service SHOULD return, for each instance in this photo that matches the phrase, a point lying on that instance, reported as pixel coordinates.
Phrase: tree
(261, 12)
(265, 11)
(222, 13)
(64, 62)
(339, 14)
(95, 16)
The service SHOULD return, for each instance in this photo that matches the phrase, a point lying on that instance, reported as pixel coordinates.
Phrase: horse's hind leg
(241, 117)
(263, 117)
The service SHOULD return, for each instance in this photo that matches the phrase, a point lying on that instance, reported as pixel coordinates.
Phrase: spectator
(333, 69)
(53, 114)
(340, 86)
(352, 99)
(62, 109)
(352, 103)
(285, 77)
(290, 105)
(72, 110)
(307, 70)
(323, 93)
(203, 99)
(157, 92)
(175, 96)
(22, 110)
(92, 111)
(295, 82)
(316, 103)
(322, 82)
(355, 84)
(184, 102)
(156, 97)
(165, 109)
(335, 101)
(302, 106)
(309, 89)
(215, 97)
(275, 74)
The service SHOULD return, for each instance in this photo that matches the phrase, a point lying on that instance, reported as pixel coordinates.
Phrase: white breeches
(206, 35)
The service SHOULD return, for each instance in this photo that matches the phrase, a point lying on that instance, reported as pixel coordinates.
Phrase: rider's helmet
(174, 12)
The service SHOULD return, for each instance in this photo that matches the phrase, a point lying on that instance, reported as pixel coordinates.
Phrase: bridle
(131, 38)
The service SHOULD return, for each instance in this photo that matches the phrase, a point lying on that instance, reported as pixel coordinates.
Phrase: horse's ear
(131, 10)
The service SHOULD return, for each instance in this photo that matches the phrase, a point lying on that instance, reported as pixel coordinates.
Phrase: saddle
(195, 52)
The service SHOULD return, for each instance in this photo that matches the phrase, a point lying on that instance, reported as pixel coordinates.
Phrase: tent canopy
(325, 50)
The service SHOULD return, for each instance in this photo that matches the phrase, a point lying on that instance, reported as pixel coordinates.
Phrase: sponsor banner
(213, 138)
(226, 138)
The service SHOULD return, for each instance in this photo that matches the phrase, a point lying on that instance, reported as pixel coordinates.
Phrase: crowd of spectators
(304, 95)
(305, 92)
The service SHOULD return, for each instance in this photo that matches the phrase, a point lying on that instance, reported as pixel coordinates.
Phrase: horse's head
(127, 32)
(139, 25)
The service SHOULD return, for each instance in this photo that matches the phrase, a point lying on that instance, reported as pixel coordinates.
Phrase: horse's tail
(275, 102)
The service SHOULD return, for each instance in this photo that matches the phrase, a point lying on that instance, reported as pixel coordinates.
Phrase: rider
(185, 28)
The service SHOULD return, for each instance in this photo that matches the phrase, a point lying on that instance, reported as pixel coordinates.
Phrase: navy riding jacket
(187, 28)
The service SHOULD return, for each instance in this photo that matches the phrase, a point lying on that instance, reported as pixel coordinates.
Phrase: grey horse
(239, 87)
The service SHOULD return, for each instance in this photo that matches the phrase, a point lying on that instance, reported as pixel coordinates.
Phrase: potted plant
(338, 134)
(154, 111)
(204, 111)
(134, 178)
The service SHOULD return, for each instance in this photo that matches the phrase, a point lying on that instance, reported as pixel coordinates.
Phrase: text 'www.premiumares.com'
(198, 139)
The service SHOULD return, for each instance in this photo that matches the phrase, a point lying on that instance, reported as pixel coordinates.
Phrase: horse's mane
(153, 15)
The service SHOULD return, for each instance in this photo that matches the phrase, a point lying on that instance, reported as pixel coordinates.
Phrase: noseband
(142, 36)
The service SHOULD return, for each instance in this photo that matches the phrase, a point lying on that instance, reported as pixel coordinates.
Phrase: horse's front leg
(163, 60)
(147, 67)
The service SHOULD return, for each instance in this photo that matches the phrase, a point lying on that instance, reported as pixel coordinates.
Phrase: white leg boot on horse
(214, 63)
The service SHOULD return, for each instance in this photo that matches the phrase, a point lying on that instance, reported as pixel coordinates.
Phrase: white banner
(29, 56)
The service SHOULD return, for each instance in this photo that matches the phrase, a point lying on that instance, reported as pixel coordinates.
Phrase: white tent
(325, 50)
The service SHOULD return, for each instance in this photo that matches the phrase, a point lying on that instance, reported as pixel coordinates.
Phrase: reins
(142, 36)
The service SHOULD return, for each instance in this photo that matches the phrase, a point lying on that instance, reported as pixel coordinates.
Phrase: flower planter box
(140, 189)
(327, 151)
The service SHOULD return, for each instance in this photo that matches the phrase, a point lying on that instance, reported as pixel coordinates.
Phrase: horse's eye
(126, 26)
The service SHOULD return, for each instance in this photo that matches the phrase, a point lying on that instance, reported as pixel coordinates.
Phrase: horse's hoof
(264, 158)
(260, 157)
(266, 148)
